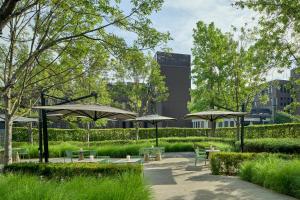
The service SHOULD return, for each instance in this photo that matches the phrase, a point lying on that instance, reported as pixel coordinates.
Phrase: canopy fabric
(92, 111)
(18, 119)
(213, 115)
(153, 118)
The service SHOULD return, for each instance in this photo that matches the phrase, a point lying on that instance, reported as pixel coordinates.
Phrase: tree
(211, 59)
(40, 38)
(139, 80)
(227, 73)
(278, 31)
(140, 84)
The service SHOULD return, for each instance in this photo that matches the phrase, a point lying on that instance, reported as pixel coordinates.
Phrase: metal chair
(200, 154)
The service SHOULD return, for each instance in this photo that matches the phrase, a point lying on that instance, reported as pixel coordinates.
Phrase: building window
(220, 124)
(202, 124)
(226, 124)
(231, 123)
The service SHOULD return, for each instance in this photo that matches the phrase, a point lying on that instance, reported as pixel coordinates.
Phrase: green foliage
(227, 72)
(120, 150)
(257, 131)
(283, 117)
(139, 83)
(228, 163)
(277, 174)
(72, 169)
(124, 187)
(282, 145)
(277, 34)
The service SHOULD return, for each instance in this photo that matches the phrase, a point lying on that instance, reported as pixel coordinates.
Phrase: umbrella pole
(156, 134)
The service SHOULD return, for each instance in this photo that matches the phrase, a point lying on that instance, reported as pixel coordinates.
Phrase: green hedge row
(273, 145)
(229, 163)
(72, 169)
(120, 151)
(274, 173)
(265, 131)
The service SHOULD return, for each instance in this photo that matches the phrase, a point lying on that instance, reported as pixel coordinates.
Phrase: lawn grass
(25, 187)
(272, 172)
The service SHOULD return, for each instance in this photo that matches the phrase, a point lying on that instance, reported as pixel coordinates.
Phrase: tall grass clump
(25, 187)
(274, 173)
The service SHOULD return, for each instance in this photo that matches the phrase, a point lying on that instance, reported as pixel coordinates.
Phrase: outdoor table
(81, 154)
(209, 151)
(90, 160)
(148, 151)
(132, 160)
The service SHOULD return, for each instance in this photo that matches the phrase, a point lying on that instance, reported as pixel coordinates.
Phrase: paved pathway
(176, 178)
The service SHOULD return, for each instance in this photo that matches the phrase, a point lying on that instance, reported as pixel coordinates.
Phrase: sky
(179, 17)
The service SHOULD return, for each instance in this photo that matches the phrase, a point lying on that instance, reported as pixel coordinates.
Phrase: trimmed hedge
(273, 145)
(274, 173)
(228, 163)
(291, 130)
(119, 151)
(72, 169)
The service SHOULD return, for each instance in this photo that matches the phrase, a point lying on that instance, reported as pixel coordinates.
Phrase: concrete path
(176, 178)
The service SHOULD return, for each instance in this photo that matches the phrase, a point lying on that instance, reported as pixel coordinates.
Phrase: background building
(177, 70)
(279, 96)
(295, 76)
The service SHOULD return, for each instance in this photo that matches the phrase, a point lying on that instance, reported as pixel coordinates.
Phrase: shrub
(282, 145)
(72, 169)
(124, 187)
(277, 174)
(228, 163)
(291, 130)
(116, 150)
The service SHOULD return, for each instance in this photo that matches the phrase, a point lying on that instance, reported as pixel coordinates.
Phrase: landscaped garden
(271, 160)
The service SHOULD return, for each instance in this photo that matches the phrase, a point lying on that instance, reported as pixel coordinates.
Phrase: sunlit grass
(272, 172)
(25, 187)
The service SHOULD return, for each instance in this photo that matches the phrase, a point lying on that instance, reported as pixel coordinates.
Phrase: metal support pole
(242, 128)
(40, 149)
(156, 134)
(45, 129)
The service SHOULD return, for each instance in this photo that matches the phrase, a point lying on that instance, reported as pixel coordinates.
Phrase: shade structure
(93, 111)
(213, 115)
(18, 119)
(154, 119)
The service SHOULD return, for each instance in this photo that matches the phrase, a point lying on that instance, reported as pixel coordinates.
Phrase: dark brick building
(177, 70)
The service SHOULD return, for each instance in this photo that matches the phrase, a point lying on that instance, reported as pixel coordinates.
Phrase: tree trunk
(8, 129)
(137, 131)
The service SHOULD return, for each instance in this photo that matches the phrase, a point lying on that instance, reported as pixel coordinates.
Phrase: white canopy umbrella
(18, 119)
(154, 119)
(213, 115)
(93, 111)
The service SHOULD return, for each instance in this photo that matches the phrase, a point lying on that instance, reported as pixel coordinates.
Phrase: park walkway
(176, 178)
